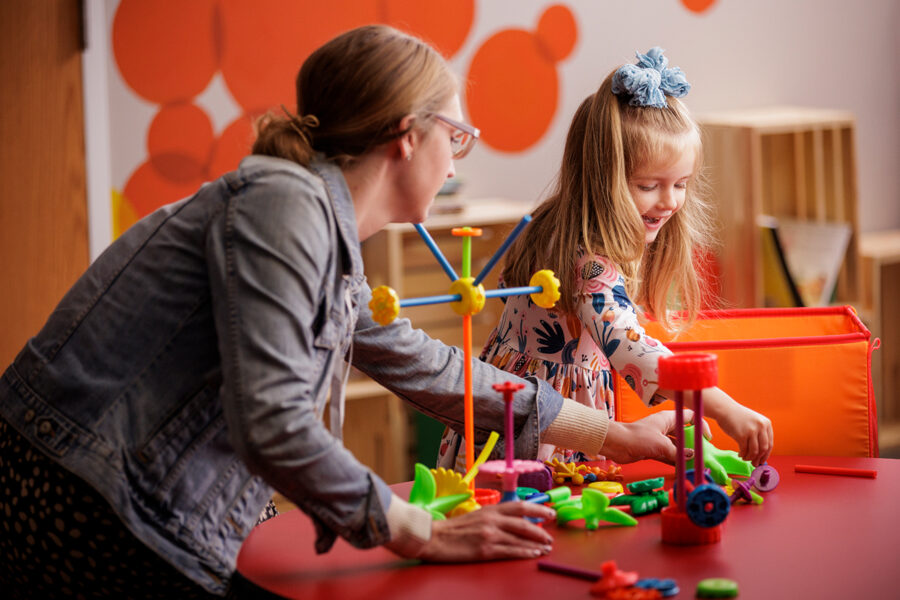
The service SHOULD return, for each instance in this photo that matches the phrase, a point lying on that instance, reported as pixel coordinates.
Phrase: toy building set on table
(783, 346)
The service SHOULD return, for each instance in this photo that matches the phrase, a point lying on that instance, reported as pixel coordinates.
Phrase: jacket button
(45, 428)
(29, 416)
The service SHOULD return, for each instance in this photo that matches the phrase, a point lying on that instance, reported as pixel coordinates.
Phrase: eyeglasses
(463, 138)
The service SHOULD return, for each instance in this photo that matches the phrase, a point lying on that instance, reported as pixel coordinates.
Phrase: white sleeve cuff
(410, 527)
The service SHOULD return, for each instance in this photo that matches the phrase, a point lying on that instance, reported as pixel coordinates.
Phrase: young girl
(620, 230)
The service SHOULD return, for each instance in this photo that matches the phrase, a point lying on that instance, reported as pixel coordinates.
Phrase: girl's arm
(751, 430)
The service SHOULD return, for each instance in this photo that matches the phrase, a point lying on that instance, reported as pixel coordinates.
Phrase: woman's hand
(493, 532)
(646, 438)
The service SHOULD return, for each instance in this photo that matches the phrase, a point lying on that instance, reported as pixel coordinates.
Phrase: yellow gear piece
(549, 284)
(608, 487)
(472, 296)
(385, 305)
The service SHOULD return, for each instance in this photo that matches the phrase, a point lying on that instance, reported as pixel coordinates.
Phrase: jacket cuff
(578, 427)
(410, 528)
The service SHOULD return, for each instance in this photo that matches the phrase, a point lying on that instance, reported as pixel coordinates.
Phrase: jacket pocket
(168, 449)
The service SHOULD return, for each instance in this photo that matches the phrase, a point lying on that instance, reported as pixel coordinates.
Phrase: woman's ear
(406, 143)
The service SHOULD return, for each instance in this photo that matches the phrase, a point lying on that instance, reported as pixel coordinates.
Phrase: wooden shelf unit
(880, 252)
(784, 162)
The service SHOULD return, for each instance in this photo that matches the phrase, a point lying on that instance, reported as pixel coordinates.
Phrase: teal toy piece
(524, 493)
(721, 463)
(593, 508)
(423, 493)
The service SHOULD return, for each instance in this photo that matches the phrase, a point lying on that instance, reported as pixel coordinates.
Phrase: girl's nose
(667, 199)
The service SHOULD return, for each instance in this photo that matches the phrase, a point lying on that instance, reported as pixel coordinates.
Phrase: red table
(815, 536)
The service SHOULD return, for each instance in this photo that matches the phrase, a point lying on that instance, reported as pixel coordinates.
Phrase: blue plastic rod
(436, 251)
(506, 243)
(514, 291)
(430, 300)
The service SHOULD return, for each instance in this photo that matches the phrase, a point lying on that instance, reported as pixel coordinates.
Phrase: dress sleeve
(610, 317)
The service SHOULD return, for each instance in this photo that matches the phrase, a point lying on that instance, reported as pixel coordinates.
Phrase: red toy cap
(688, 371)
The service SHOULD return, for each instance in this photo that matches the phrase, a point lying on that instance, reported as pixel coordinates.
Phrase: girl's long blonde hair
(352, 93)
(591, 207)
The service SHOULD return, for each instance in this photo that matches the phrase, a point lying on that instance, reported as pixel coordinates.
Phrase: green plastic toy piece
(717, 588)
(524, 492)
(423, 493)
(647, 485)
(721, 463)
(593, 507)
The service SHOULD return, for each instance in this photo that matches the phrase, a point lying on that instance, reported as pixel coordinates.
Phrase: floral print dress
(574, 353)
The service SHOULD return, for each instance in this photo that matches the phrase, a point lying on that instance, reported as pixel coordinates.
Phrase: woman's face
(659, 191)
(431, 164)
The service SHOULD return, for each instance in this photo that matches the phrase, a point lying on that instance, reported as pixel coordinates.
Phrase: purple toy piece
(742, 490)
(766, 477)
(539, 480)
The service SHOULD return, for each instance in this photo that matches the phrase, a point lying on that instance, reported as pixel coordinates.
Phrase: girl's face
(431, 164)
(659, 191)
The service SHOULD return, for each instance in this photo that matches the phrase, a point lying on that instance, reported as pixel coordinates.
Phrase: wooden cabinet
(784, 162)
(379, 428)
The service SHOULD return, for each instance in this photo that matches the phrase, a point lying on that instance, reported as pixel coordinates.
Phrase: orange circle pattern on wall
(444, 24)
(698, 6)
(513, 85)
(165, 49)
(168, 51)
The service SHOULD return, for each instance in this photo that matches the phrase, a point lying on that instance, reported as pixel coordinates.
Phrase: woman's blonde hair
(591, 207)
(352, 93)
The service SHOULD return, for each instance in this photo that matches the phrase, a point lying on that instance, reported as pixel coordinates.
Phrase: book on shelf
(801, 260)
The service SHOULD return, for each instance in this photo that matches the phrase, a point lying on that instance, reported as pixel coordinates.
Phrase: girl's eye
(646, 188)
(682, 185)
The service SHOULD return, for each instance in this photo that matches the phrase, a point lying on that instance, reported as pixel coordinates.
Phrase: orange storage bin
(807, 369)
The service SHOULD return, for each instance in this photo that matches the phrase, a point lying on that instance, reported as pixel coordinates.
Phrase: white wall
(740, 53)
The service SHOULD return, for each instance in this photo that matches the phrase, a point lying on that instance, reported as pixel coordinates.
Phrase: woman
(183, 377)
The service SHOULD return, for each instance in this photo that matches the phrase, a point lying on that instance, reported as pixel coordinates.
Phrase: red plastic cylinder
(694, 371)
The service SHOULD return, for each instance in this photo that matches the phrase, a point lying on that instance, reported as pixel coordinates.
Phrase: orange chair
(807, 369)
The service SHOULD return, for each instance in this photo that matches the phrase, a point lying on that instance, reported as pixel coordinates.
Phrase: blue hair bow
(648, 80)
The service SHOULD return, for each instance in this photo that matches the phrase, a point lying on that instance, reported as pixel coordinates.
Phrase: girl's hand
(646, 438)
(751, 430)
(490, 533)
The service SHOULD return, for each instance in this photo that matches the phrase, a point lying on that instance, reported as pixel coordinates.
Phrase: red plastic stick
(846, 471)
(546, 565)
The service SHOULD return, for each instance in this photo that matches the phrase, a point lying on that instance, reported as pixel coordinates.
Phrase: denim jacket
(184, 375)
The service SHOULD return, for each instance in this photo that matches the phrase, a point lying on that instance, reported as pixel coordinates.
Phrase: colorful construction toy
(466, 298)
(721, 463)
(593, 507)
(509, 469)
(694, 518)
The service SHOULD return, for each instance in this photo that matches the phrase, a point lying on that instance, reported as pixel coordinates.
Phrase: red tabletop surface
(815, 536)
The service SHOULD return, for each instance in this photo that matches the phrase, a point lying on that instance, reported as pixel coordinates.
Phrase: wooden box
(784, 162)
